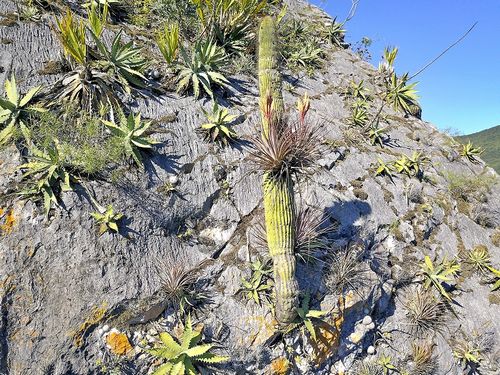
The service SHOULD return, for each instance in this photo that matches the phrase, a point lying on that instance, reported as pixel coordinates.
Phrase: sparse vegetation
(107, 219)
(307, 318)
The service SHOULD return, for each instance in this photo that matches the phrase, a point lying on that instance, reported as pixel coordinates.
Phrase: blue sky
(461, 90)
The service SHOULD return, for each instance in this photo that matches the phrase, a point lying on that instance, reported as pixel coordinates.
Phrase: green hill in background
(489, 140)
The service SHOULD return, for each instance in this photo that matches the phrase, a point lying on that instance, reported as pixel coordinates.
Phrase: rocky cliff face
(64, 287)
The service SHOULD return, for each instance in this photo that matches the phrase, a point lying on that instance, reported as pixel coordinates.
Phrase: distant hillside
(488, 139)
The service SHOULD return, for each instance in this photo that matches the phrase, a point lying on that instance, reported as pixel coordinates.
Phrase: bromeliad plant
(132, 132)
(217, 127)
(185, 355)
(15, 110)
(436, 274)
(471, 152)
(107, 219)
(203, 69)
(48, 174)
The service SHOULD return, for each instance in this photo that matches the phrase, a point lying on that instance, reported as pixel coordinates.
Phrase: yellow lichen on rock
(118, 343)
(7, 221)
(279, 366)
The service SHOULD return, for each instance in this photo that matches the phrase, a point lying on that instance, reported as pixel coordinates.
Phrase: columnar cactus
(279, 205)
(269, 75)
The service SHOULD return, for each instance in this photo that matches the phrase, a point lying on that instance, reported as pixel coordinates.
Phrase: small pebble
(105, 328)
(371, 350)
(173, 179)
(371, 326)
(367, 320)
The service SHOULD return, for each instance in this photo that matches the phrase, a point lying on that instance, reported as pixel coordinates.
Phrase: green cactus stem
(279, 205)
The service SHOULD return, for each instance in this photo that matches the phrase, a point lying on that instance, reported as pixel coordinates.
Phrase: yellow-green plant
(471, 152)
(168, 42)
(185, 355)
(436, 274)
(107, 219)
(400, 94)
(258, 286)
(15, 109)
(480, 259)
(203, 68)
(279, 203)
(308, 317)
(217, 125)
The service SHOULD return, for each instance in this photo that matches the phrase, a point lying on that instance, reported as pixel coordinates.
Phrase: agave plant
(437, 274)
(471, 152)
(384, 169)
(203, 67)
(124, 61)
(358, 90)
(107, 219)
(387, 64)
(480, 259)
(334, 33)
(308, 56)
(185, 355)
(377, 135)
(359, 115)
(307, 317)
(168, 42)
(258, 286)
(231, 23)
(411, 165)
(217, 126)
(400, 95)
(131, 131)
(48, 172)
(15, 109)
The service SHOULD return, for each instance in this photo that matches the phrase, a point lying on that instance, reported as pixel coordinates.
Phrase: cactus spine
(279, 205)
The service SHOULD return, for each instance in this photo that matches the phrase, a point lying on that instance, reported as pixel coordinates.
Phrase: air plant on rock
(425, 313)
(377, 135)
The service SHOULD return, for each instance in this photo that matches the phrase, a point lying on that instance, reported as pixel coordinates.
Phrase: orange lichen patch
(328, 336)
(265, 327)
(7, 221)
(279, 366)
(96, 315)
(118, 343)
